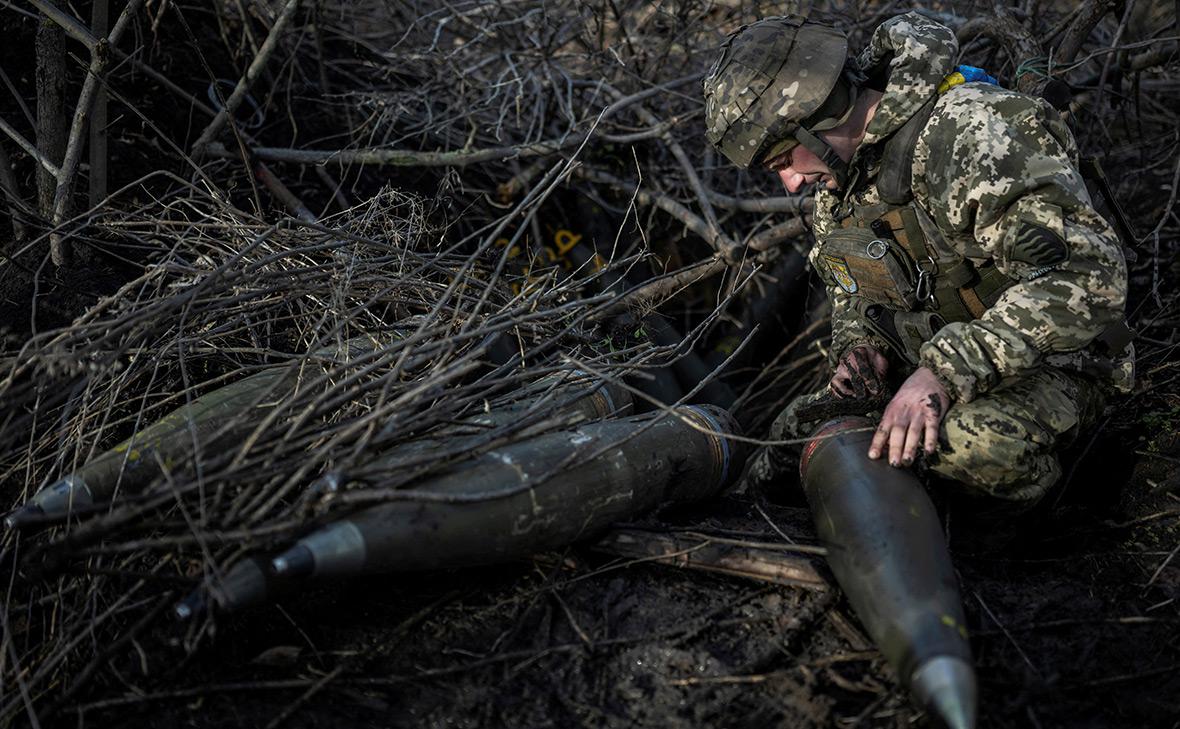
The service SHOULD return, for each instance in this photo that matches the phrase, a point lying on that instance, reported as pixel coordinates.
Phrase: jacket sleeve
(997, 173)
(848, 326)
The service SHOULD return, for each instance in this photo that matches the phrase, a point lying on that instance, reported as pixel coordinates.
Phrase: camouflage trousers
(999, 452)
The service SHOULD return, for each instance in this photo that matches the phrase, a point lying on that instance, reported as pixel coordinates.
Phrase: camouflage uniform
(994, 180)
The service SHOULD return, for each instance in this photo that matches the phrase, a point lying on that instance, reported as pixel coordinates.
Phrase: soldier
(957, 241)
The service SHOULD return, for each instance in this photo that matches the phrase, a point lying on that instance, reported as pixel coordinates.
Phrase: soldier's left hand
(911, 419)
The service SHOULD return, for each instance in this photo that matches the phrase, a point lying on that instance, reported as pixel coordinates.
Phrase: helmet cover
(769, 78)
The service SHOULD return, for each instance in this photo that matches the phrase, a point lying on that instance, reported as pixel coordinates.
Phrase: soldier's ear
(874, 78)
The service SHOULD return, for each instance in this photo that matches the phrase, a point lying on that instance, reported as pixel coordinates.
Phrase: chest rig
(905, 283)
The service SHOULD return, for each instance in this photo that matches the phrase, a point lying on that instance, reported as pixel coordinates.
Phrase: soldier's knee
(788, 426)
(995, 453)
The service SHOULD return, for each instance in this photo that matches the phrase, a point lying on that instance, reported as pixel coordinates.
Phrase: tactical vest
(905, 280)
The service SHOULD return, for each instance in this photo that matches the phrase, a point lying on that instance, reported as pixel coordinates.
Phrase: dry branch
(404, 157)
(30, 149)
(100, 26)
(782, 564)
(252, 72)
(67, 22)
(51, 111)
(1089, 14)
(8, 185)
(58, 245)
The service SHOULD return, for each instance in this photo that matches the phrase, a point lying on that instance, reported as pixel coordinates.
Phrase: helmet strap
(826, 154)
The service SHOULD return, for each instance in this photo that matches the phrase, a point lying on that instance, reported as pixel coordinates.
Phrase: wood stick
(783, 204)
(1088, 16)
(68, 23)
(777, 234)
(30, 148)
(58, 250)
(251, 75)
(100, 22)
(768, 562)
(283, 193)
(663, 286)
(80, 33)
(720, 242)
(403, 157)
(456, 158)
(16, 204)
(51, 113)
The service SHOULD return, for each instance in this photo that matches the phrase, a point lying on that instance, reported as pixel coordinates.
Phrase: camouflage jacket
(996, 173)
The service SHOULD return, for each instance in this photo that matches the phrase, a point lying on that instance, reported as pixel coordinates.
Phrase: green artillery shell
(645, 461)
(886, 549)
(215, 418)
(561, 395)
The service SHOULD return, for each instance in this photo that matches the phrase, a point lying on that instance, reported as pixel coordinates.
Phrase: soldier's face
(798, 167)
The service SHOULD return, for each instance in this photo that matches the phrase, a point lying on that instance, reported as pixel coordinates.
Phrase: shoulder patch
(1038, 246)
(840, 273)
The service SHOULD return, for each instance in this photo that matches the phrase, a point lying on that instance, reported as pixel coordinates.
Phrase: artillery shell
(887, 551)
(487, 512)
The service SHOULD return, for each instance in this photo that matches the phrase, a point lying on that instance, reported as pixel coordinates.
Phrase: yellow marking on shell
(950, 622)
(566, 240)
(914, 512)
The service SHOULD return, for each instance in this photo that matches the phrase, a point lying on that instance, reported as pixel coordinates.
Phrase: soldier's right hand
(860, 373)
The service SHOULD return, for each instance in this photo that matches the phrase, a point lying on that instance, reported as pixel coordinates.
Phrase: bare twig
(252, 73)
(16, 205)
(1008, 635)
(1079, 30)
(59, 251)
(718, 240)
(29, 148)
(68, 23)
(99, 25)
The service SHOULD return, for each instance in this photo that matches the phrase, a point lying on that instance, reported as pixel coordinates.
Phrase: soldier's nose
(792, 180)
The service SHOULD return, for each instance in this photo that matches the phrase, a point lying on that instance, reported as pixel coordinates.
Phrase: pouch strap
(897, 157)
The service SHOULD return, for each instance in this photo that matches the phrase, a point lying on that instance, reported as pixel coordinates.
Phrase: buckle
(924, 291)
(876, 249)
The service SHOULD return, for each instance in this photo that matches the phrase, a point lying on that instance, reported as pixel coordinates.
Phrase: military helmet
(774, 83)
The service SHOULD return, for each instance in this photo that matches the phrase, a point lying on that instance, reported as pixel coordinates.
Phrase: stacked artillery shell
(886, 549)
(214, 420)
(561, 394)
(488, 511)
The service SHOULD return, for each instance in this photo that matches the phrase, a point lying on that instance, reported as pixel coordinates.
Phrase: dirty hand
(911, 418)
(861, 373)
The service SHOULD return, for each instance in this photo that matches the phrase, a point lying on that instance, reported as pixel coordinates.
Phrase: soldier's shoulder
(979, 109)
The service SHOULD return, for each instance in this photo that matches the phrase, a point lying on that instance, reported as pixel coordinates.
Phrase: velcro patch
(1038, 246)
(839, 268)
